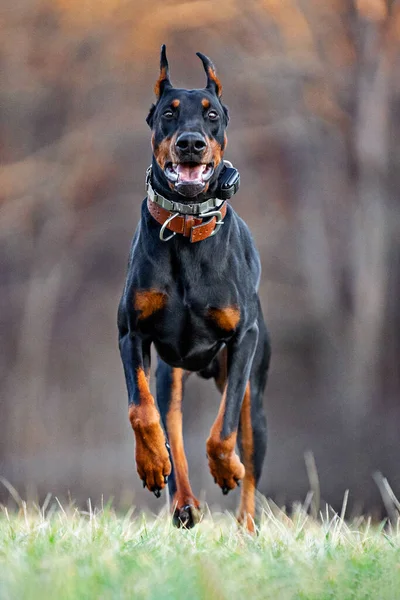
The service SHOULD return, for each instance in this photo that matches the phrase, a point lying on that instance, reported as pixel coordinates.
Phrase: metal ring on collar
(162, 238)
(212, 214)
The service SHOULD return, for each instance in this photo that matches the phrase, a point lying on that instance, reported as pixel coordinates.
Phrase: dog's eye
(213, 115)
(168, 114)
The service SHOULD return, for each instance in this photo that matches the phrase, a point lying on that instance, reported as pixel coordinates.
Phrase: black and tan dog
(191, 290)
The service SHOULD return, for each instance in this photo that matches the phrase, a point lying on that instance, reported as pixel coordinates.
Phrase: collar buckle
(212, 214)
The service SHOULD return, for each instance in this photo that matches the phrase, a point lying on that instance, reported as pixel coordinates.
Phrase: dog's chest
(188, 330)
(197, 311)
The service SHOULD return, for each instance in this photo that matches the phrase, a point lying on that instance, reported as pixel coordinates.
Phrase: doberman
(191, 290)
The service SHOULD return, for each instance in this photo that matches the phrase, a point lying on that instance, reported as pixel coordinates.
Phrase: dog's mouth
(189, 178)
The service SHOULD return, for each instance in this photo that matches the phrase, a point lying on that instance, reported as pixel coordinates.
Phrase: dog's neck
(161, 187)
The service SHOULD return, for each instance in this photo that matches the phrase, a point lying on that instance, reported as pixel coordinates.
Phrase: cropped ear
(213, 83)
(150, 116)
(163, 81)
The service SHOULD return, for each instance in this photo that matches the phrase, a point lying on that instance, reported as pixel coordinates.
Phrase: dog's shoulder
(242, 244)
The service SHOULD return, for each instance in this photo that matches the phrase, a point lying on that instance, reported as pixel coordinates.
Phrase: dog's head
(188, 132)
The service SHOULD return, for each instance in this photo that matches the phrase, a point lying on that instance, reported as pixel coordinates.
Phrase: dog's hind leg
(252, 438)
(170, 383)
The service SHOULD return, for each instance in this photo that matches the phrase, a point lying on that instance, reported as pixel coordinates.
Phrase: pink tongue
(188, 172)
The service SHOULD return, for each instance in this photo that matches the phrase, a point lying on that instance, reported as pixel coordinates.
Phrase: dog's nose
(191, 142)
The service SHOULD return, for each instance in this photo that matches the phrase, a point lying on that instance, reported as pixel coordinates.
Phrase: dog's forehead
(188, 98)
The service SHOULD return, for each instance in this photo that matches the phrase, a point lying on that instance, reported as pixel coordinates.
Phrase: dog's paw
(225, 465)
(186, 514)
(152, 458)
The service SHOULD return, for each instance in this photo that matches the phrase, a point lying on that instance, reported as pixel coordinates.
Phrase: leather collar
(197, 228)
(197, 221)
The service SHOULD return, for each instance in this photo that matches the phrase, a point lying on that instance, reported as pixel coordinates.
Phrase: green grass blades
(99, 555)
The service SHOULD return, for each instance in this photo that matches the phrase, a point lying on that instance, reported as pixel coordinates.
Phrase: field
(57, 553)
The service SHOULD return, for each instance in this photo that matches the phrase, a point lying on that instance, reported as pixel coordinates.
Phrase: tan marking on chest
(148, 302)
(226, 318)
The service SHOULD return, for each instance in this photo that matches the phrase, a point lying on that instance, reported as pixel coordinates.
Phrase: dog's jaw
(189, 179)
(190, 191)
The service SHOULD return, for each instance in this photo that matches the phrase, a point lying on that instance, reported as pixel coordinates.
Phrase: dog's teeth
(170, 172)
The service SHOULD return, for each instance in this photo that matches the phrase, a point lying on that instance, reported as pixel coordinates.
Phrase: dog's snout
(191, 142)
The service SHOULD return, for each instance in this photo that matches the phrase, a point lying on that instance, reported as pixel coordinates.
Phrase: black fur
(221, 271)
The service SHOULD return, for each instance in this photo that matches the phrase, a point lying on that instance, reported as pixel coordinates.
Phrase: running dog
(192, 291)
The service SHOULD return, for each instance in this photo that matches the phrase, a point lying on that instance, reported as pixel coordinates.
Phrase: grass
(58, 554)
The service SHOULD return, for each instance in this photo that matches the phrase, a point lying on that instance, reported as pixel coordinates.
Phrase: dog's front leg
(152, 459)
(224, 463)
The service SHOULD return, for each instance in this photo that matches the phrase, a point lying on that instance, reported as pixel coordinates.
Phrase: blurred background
(314, 95)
